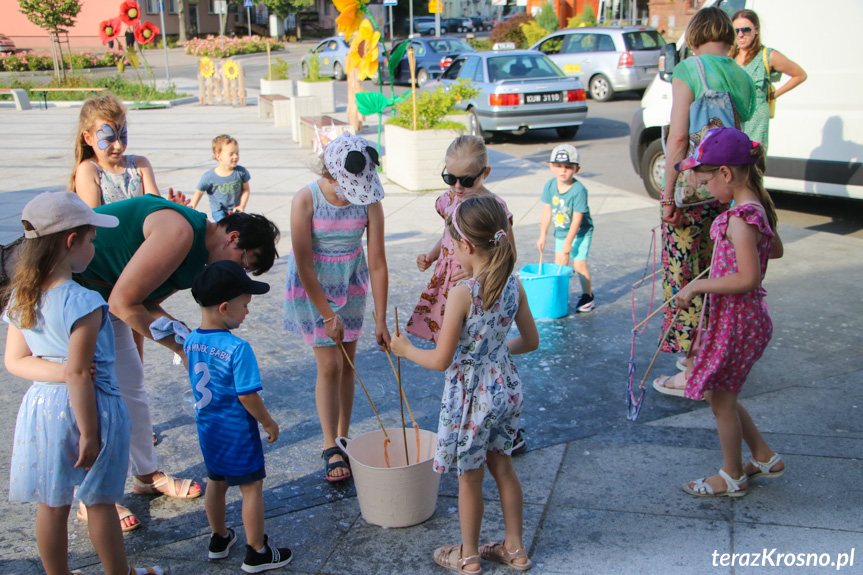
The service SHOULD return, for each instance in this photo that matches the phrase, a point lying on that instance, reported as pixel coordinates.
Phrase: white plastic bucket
(399, 496)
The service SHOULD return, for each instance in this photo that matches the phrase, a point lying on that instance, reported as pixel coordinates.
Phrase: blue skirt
(45, 450)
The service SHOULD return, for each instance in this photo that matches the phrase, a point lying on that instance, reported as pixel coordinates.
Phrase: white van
(816, 138)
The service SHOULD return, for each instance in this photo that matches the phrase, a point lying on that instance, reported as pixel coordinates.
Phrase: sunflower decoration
(205, 66)
(231, 69)
(130, 13)
(350, 13)
(364, 51)
(146, 33)
(109, 30)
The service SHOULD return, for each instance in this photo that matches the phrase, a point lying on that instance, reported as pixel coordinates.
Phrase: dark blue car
(433, 55)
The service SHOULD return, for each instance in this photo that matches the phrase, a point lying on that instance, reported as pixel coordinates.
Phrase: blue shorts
(238, 480)
(580, 245)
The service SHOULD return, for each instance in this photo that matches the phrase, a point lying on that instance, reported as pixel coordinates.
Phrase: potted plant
(414, 157)
(278, 81)
(318, 86)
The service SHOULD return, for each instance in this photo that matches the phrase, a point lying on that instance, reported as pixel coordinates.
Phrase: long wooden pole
(401, 395)
(668, 301)
(412, 61)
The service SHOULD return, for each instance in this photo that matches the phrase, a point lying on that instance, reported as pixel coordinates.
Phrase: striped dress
(341, 269)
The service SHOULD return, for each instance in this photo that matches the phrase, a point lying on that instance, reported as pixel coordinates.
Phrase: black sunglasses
(466, 181)
(745, 30)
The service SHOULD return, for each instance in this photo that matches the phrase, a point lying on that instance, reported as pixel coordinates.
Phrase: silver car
(331, 53)
(520, 90)
(607, 59)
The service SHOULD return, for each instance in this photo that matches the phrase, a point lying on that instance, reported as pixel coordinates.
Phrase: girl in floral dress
(328, 279)
(482, 396)
(739, 324)
(466, 170)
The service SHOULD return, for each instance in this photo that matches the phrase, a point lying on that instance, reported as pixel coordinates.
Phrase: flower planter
(414, 158)
(281, 87)
(324, 91)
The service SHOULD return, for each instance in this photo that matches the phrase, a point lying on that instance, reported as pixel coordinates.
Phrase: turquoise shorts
(580, 245)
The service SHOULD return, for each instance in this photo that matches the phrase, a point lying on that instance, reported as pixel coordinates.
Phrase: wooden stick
(668, 301)
(401, 395)
(347, 357)
(644, 279)
(655, 355)
(540, 262)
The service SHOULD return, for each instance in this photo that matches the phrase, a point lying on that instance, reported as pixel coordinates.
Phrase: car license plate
(544, 98)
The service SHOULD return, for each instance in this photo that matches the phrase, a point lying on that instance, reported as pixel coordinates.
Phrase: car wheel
(422, 77)
(474, 128)
(600, 88)
(376, 79)
(567, 132)
(338, 72)
(652, 169)
(443, 30)
(305, 70)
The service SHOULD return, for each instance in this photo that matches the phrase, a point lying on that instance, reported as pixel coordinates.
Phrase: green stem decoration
(380, 74)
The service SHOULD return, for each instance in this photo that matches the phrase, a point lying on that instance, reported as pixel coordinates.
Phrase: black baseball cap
(223, 281)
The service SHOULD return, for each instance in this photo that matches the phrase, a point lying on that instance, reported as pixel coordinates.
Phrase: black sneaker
(270, 559)
(585, 303)
(519, 446)
(220, 546)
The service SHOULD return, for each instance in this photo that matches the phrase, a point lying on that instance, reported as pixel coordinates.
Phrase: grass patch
(121, 87)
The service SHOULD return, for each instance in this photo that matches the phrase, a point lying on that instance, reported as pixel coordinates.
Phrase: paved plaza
(602, 494)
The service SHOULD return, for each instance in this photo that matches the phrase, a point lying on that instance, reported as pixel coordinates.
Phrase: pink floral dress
(740, 327)
(427, 318)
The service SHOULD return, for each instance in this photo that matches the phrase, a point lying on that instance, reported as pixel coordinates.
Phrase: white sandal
(701, 488)
(764, 468)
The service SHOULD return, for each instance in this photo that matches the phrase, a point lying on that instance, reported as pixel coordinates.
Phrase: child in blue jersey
(565, 206)
(227, 185)
(226, 382)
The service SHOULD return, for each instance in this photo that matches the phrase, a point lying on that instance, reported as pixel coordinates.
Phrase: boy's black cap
(223, 281)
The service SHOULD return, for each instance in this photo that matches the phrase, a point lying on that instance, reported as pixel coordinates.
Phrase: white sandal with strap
(701, 488)
(763, 469)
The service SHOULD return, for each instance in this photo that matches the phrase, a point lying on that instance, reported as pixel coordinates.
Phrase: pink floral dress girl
(739, 328)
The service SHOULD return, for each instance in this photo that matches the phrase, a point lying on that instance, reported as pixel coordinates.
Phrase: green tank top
(116, 246)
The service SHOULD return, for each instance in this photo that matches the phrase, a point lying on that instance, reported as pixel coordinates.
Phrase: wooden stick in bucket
(401, 395)
(540, 262)
(381, 423)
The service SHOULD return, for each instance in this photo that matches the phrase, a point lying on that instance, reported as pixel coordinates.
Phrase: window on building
(170, 6)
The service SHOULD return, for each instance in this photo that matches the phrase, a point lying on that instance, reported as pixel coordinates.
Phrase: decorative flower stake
(205, 66)
(109, 30)
(364, 51)
(231, 70)
(130, 13)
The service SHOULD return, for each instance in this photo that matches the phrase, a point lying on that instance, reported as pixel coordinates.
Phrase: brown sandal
(167, 485)
(499, 553)
(122, 512)
(449, 557)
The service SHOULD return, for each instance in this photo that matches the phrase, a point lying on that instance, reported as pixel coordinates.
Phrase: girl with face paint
(103, 173)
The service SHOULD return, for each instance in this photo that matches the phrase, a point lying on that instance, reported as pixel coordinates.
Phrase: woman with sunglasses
(765, 66)
(465, 171)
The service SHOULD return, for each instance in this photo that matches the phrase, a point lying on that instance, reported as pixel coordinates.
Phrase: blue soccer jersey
(223, 367)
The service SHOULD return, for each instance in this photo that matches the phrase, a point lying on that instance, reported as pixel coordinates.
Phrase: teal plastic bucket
(547, 292)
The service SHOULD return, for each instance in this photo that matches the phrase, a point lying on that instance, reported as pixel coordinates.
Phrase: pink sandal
(499, 553)
(449, 557)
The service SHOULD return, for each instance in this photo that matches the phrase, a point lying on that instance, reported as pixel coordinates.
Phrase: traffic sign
(435, 6)
(498, 2)
(248, 4)
(391, 2)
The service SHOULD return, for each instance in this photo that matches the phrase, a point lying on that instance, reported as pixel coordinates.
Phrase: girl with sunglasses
(765, 66)
(465, 171)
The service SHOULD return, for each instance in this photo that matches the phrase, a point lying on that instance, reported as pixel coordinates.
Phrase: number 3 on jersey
(201, 386)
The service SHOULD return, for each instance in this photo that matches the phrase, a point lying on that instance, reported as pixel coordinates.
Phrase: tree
(284, 8)
(547, 18)
(181, 15)
(54, 16)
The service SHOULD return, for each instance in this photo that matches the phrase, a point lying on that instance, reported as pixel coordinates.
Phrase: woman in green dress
(751, 55)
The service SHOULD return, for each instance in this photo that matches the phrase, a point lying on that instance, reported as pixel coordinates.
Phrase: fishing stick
(668, 301)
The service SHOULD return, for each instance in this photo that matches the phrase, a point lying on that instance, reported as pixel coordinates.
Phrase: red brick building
(670, 17)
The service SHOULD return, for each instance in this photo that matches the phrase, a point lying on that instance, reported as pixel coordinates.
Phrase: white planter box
(414, 160)
(281, 87)
(324, 91)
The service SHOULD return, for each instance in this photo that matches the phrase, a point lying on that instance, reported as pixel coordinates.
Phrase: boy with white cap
(565, 205)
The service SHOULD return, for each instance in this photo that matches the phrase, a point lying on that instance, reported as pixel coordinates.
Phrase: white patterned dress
(482, 396)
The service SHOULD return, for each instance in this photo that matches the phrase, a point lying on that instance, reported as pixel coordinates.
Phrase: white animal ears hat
(353, 163)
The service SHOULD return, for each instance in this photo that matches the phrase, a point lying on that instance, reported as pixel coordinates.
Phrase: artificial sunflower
(205, 66)
(231, 69)
(130, 13)
(109, 30)
(350, 13)
(364, 51)
(146, 33)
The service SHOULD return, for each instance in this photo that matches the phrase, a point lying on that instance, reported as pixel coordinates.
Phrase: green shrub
(432, 106)
(224, 47)
(586, 18)
(547, 18)
(480, 44)
(510, 31)
(313, 69)
(533, 33)
(122, 88)
(279, 70)
(41, 61)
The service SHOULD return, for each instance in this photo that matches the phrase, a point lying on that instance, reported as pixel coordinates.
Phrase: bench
(307, 128)
(22, 101)
(42, 93)
(267, 104)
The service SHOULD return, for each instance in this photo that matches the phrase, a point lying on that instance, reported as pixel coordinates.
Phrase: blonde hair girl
(482, 397)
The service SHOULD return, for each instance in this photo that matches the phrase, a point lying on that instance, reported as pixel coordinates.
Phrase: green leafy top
(433, 105)
(51, 15)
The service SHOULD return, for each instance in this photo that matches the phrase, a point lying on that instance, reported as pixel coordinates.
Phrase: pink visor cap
(721, 147)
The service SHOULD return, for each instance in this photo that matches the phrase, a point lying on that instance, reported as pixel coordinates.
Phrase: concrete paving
(602, 494)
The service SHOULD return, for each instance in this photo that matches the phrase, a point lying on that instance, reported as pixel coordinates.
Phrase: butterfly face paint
(108, 134)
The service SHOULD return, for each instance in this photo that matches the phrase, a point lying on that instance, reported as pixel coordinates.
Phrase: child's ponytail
(482, 221)
(755, 181)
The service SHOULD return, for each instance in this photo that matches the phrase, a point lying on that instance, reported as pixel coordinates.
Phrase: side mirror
(667, 61)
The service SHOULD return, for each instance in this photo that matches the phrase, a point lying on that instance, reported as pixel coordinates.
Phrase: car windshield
(444, 45)
(643, 40)
(520, 66)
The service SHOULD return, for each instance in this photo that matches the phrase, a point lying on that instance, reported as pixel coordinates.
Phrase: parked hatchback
(433, 55)
(331, 53)
(607, 59)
